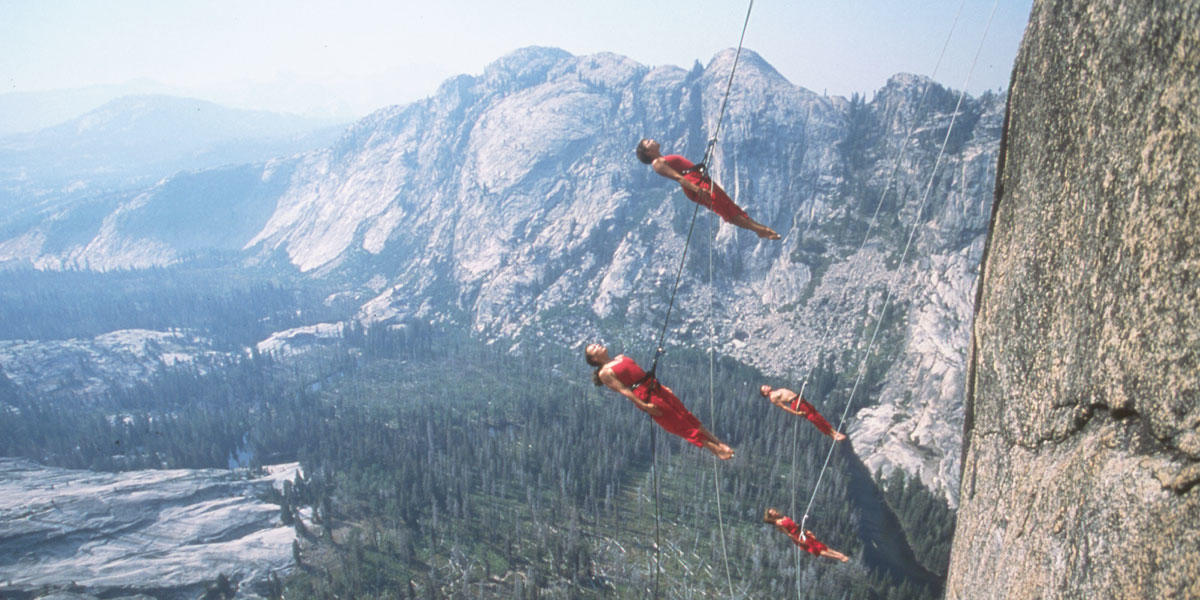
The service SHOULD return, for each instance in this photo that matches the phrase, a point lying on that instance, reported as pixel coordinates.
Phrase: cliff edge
(1082, 433)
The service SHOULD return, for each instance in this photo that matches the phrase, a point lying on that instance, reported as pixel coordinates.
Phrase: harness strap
(647, 379)
(700, 168)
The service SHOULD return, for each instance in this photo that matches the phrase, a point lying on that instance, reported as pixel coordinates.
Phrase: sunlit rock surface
(91, 367)
(166, 532)
(298, 339)
(510, 203)
(1083, 421)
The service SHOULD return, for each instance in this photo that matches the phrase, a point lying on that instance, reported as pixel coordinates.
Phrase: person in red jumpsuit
(698, 188)
(791, 402)
(624, 376)
(806, 540)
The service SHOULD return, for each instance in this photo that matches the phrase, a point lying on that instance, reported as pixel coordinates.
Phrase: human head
(771, 516)
(646, 150)
(764, 390)
(592, 353)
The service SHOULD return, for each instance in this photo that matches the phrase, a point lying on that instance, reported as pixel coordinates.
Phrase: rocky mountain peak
(523, 67)
(749, 62)
(150, 113)
(511, 204)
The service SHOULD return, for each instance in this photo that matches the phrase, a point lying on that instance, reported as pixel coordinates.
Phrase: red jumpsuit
(808, 543)
(721, 203)
(810, 412)
(672, 415)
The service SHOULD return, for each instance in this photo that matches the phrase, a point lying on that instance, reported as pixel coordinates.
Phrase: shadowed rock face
(1082, 448)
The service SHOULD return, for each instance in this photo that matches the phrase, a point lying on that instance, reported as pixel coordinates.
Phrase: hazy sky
(353, 56)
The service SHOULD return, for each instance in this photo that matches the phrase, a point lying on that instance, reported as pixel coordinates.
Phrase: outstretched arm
(610, 380)
(795, 537)
(787, 405)
(661, 167)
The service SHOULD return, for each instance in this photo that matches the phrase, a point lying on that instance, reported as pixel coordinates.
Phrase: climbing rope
(702, 168)
(651, 375)
(657, 518)
(729, 87)
(867, 237)
(903, 256)
(712, 411)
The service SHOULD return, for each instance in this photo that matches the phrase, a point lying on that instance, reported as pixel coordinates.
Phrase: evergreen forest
(437, 466)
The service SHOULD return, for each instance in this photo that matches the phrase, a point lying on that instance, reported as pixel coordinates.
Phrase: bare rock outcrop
(1082, 447)
(165, 532)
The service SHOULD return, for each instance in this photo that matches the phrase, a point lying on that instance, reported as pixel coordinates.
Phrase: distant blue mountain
(24, 112)
(144, 138)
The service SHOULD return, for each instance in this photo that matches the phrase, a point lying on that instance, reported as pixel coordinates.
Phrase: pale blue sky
(353, 56)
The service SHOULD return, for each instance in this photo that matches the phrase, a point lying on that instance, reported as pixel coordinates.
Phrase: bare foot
(723, 452)
(838, 436)
(768, 233)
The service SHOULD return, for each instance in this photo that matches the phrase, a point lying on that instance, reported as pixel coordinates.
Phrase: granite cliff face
(510, 203)
(1083, 406)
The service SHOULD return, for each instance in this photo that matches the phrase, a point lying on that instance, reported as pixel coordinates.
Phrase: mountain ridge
(509, 203)
(137, 139)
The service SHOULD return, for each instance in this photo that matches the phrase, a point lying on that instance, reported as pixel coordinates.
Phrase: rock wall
(1082, 410)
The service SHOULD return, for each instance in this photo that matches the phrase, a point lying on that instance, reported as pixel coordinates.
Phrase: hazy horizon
(345, 61)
